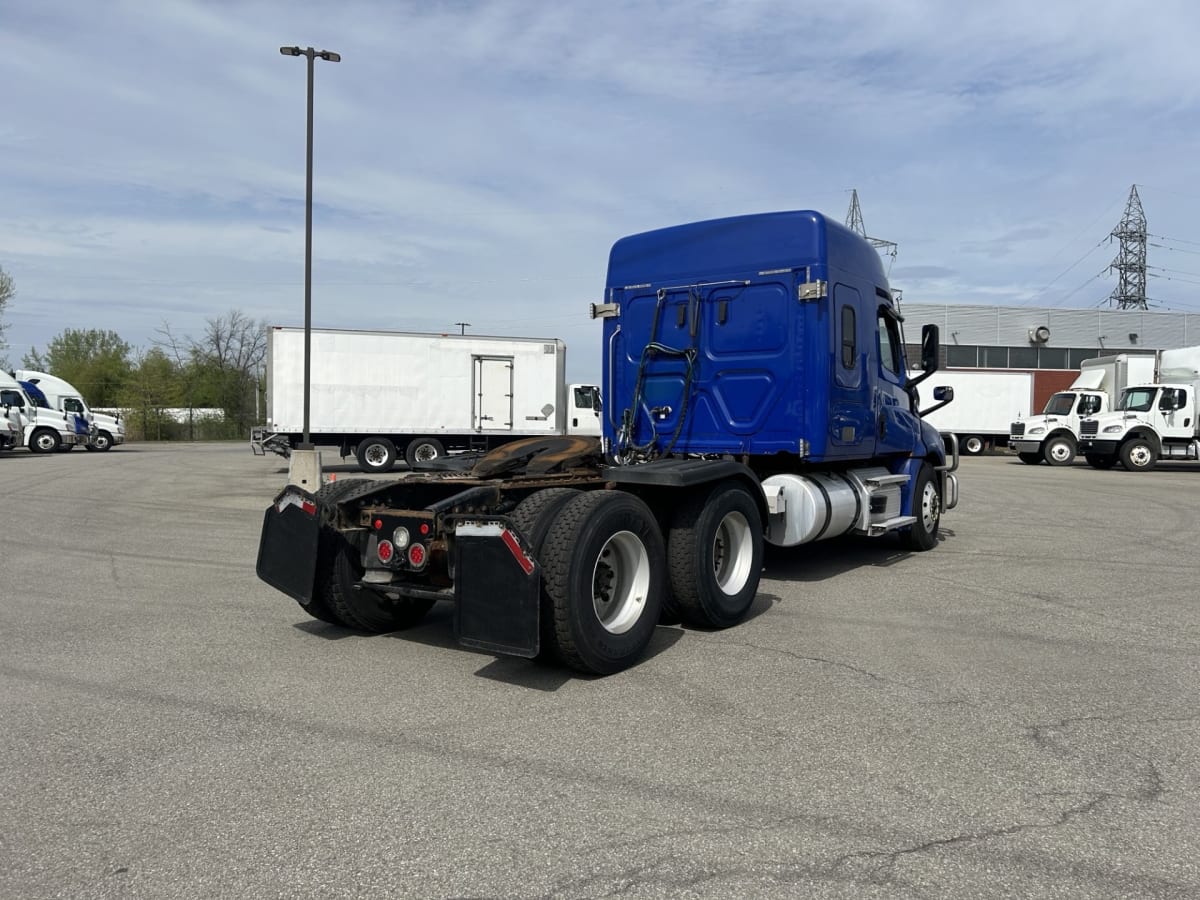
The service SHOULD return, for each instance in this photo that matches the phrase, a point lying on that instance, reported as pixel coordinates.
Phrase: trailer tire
(376, 454)
(1096, 461)
(927, 507)
(1030, 459)
(1138, 455)
(44, 440)
(605, 575)
(714, 556)
(1059, 450)
(533, 518)
(423, 450)
(973, 445)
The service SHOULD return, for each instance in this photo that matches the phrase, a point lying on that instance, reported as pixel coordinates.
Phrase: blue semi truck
(756, 390)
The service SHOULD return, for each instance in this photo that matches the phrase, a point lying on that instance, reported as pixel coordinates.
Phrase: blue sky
(475, 161)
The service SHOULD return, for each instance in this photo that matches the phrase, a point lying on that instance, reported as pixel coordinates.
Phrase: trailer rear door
(493, 400)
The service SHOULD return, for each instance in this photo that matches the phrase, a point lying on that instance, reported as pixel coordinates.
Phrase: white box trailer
(985, 404)
(380, 394)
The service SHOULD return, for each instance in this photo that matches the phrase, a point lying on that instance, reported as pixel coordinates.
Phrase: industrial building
(1037, 339)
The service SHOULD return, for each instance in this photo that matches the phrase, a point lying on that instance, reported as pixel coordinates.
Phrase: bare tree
(8, 290)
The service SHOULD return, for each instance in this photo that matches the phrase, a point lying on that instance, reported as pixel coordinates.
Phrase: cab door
(896, 424)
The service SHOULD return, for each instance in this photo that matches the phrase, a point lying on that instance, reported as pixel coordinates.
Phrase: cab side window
(1088, 405)
(72, 405)
(889, 344)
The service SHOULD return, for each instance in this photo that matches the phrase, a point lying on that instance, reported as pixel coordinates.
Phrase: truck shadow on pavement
(826, 559)
(437, 630)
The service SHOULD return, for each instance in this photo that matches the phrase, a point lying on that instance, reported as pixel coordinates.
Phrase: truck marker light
(400, 537)
(385, 551)
(416, 556)
(378, 524)
(424, 529)
(518, 554)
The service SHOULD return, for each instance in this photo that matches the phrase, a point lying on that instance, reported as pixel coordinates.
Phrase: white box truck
(985, 402)
(64, 396)
(380, 395)
(41, 428)
(1154, 420)
(1053, 435)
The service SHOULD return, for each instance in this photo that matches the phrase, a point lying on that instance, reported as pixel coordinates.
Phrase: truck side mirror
(930, 349)
(943, 393)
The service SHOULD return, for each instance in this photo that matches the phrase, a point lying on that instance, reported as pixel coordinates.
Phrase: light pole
(462, 327)
(328, 56)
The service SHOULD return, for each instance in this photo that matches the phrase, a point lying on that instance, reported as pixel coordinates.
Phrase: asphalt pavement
(1012, 714)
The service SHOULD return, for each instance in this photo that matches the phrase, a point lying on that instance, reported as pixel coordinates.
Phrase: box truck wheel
(1059, 450)
(1030, 459)
(1138, 455)
(423, 450)
(605, 575)
(972, 444)
(44, 440)
(376, 454)
(1096, 461)
(927, 507)
(714, 556)
(533, 518)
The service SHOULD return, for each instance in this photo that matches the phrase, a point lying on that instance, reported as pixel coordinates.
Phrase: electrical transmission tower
(854, 221)
(1130, 292)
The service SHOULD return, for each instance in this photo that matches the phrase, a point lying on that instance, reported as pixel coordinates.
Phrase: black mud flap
(496, 590)
(287, 549)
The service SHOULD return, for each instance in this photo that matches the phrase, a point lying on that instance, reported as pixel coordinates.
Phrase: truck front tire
(1059, 450)
(927, 507)
(1138, 455)
(376, 454)
(714, 555)
(605, 575)
(103, 442)
(44, 440)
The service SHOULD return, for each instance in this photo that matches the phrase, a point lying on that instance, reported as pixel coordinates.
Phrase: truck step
(881, 480)
(877, 528)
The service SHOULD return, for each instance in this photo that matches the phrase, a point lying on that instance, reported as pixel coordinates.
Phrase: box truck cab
(62, 395)
(43, 430)
(1152, 421)
(1053, 436)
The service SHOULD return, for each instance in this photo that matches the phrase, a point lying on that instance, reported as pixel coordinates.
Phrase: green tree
(97, 362)
(8, 290)
(153, 385)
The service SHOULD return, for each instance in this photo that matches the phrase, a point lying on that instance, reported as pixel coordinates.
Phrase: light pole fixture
(328, 56)
(462, 327)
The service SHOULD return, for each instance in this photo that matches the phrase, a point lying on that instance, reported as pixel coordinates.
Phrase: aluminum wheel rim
(974, 445)
(620, 582)
(426, 452)
(101, 442)
(733, 553)
(1059, 451)
(376, 455)
(46, 442)
(1140, 455)
(931, 506)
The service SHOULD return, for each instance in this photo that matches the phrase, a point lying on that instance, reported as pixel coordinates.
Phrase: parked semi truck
(43, 430)
(380, 395)
(60, 394)
(755, 390)
(1152, 421)
(1053, 436)
(985, 400)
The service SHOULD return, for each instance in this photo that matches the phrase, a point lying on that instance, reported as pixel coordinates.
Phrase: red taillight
(385, 551)
(416, 556)
(424, 528)
(378, 524)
